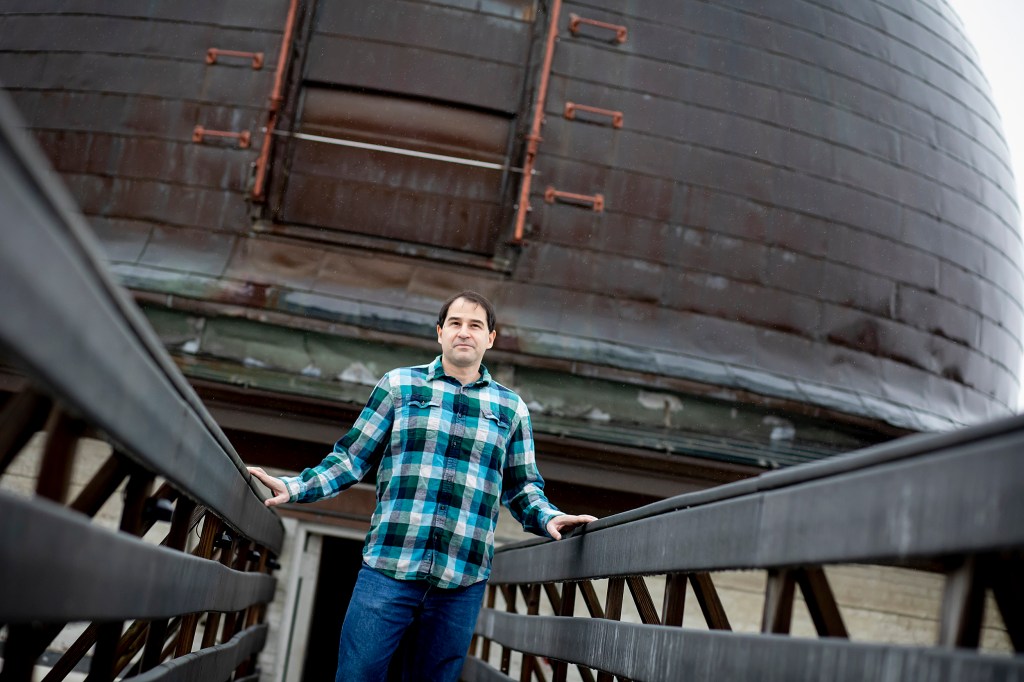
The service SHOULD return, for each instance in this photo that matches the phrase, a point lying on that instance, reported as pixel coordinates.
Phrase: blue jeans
(439, 623)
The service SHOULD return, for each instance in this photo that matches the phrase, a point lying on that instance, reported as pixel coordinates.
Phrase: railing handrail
(95, 587)
(147, 405)
(951, 503)
(917, 445)
(833, 512)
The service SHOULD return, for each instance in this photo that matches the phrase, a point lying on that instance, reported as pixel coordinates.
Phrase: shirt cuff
(293, 484)
(544, 516)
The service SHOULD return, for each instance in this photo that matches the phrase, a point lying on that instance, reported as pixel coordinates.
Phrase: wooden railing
(90, 366)
(950, 503)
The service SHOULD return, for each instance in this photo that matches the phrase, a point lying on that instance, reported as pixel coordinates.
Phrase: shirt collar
(435, 370)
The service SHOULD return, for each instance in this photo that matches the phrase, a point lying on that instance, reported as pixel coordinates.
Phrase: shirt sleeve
(353, 456)
(522, 489)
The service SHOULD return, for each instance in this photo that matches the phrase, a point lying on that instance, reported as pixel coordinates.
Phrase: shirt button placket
(451, 457)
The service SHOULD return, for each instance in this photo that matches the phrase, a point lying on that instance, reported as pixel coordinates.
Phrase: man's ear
(439, 333)
(491, 337)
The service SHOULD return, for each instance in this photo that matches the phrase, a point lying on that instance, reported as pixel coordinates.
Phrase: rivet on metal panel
(214, 52)
(571, 108)
(244, 137)
(596, 201)
(575, 20)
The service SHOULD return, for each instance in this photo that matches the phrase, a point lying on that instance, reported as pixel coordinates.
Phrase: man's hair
(472, 297)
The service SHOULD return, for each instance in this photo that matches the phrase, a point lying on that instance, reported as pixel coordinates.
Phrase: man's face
(464, 336)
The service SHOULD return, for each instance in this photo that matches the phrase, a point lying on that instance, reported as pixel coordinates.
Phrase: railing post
(233, 621)
(963, 605)
(532, 595)
(643, 601)
(566, 608)
(19, 660)
(187, 631)
(590, 599)
(778, 601)
(104, 656)
(674, 602)
(509, 593)
(255, 614)
(612, 611)
(226, 548)
(63, 432)
(22, 416)
(710, 604)
(1008, 591)
(102, 485)
(156, 638)
(821, 603)
(485, 650)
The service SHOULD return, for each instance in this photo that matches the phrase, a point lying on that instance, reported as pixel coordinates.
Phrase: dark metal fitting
(256, 57)
(199, 133)
(571, 108)
(575, 20)
(224, 540)
(596, 201)
(158, 509)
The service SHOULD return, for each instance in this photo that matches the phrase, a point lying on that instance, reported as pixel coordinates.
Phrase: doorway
(340, 559)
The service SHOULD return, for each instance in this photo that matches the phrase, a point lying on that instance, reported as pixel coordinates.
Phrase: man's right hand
(276, 485)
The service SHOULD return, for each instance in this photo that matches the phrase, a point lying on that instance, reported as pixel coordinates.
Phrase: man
(452, 443)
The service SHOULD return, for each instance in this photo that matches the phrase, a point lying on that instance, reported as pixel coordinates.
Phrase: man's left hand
(560, 524)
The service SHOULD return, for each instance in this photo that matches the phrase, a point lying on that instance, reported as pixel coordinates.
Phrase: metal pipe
(276, 99)
(533, 140)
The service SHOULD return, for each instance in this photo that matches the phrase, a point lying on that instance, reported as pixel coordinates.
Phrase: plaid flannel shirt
(448, 454)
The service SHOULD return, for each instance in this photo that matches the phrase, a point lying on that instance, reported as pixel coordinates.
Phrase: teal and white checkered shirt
(448, 454)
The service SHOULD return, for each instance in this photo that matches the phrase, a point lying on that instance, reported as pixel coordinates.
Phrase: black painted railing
(951, 504)
(82, 362)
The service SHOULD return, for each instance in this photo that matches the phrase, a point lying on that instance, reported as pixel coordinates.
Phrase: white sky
(994, 27)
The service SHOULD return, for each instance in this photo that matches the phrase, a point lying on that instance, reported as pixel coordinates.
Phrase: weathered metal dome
(806, 199)
(804, 204)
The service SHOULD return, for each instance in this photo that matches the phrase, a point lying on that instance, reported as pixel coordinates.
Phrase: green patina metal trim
(732, 379)
(319, 365)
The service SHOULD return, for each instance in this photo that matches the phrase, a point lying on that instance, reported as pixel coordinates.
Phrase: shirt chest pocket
(421, 416)
(494, 429)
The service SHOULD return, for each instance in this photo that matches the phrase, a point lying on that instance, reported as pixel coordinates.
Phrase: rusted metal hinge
(571, 108)
(596, 201)
(244, 138)
(214, 52)
(575, 20)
